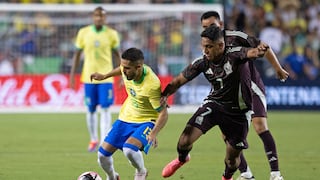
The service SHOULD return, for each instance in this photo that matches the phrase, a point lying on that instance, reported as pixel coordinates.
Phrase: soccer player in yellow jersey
(98, 42)
(141, 116)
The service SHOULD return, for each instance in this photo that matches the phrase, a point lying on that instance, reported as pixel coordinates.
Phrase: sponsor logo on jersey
(209, 71)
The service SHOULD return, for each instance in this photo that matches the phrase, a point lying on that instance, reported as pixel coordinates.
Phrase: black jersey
(224, 76)
(238, 38)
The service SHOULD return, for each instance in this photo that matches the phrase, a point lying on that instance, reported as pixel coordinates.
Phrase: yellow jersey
(143, 101)
(97, 47)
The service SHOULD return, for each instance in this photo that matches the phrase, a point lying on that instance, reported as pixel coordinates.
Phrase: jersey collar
(142, 77)
(93, 27)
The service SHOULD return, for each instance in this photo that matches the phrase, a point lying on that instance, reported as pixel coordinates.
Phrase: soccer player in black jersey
(259, 106)
(226, 106)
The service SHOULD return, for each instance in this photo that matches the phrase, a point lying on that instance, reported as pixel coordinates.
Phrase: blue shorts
(98, 94)
(121, 131)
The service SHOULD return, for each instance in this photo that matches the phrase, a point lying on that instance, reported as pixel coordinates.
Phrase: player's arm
(160, 123)
(273, 60)
(250, 41)
(75, 64)
(117, 57)
(174, 85)
(99, 76)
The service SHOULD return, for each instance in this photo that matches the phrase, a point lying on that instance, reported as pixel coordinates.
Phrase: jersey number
(219, 84)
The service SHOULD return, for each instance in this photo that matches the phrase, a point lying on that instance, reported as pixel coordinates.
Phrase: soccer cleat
(244, 178)
(223, 178)
(92, 146)
(141, 176)
(276, 177)
(117, 177)
(173, 166)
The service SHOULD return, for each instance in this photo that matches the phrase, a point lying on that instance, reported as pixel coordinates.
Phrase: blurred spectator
(314, 24)
(28, 44)
(162, 66)
(273, 36)
(298, 64)
(6, 66)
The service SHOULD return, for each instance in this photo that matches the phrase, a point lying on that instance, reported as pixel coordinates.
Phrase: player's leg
(106, 97)
(235, 128)
(261, 127)
(136, 142)
(189, 135)
(199, 123)
(91, 116)
(232, 161)
(115, 140)
(105, 160)
(245, 171)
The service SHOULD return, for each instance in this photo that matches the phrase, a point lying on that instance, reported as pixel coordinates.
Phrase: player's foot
(141, 176)
(223, 178)
(173, 166)
(275, 175)
(117, 177)
(92, 146)
(245, 178)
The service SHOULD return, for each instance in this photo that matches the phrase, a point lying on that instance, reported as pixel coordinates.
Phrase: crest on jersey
(96, 43)
(227, 68)
(132, 92)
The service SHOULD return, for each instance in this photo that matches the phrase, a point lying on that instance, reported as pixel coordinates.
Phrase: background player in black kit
(259, 118)
(223, 106)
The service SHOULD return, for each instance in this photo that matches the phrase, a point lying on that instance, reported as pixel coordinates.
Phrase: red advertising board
(51, 90)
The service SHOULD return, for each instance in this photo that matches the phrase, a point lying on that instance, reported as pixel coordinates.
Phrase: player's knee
(104, 158)
(260, 124)
(102, 152)
(129, 149)
(92, 109)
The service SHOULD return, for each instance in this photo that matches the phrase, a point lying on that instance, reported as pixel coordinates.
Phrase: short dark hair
(209, 14)
(132, 54)
(99, 8)
(213, 32)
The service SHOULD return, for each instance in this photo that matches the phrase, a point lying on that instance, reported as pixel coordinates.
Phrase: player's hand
(97, 76)
(282, 75)
(263, 46)
(152, 139)
(255, 53)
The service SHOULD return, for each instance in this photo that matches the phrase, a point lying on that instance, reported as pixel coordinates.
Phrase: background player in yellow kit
(98, 42)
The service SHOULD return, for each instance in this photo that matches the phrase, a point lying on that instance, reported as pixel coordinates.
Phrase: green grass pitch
(53, 146)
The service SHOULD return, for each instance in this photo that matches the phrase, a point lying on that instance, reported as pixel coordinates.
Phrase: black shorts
(234, 125)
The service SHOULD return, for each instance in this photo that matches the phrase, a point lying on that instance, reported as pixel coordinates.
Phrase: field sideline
(53, 146)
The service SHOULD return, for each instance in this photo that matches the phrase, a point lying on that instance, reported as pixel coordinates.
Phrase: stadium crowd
(291, 28)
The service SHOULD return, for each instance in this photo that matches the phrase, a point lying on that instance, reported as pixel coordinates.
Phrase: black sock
(228, 172)
(183, 154)
(270, 149)
(243, 164)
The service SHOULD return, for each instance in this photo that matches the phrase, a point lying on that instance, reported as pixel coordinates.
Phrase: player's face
(132, 70)
(212, 49)
(99, 17)
(209, 21)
